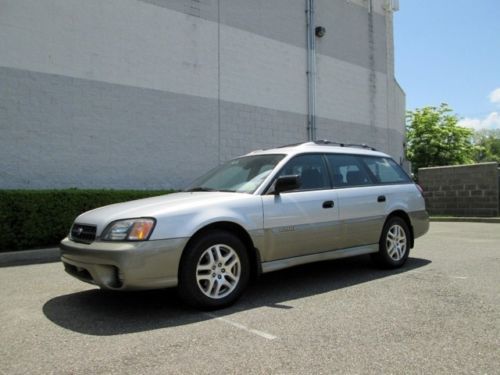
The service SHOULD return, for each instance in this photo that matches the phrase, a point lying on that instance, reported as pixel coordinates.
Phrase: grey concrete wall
(464, 190)
(151, 93)
(59, 132)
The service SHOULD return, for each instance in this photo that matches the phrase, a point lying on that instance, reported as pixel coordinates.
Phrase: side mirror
(286, 183)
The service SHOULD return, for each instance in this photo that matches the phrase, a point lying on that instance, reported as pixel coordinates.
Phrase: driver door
(303, 221)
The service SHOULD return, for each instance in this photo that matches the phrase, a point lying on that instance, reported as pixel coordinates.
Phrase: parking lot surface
(439, 314)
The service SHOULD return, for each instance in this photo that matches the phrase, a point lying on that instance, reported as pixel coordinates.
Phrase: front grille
(83, 233)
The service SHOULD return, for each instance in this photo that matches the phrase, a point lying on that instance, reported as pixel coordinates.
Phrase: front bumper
(124, 265)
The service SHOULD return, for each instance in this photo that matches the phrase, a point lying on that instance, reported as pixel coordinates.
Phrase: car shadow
(105, 313)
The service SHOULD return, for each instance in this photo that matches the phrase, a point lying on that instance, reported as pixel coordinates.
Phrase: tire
(394, 244)
(214, 270)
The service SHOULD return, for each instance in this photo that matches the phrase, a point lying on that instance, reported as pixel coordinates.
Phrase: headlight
(129, 230)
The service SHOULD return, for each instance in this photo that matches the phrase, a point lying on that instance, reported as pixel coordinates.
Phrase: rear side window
(385, 170)
(347, 171)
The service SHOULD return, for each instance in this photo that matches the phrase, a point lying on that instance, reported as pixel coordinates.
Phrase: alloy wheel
(396, 242)
(218, 271)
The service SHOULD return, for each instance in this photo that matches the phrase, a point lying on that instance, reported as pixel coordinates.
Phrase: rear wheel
(394, 244)
(214, 270)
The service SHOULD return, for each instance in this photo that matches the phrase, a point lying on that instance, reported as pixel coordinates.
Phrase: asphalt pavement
(440, 314)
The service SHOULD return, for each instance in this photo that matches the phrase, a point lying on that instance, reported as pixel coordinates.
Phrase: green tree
(434, 138)
(487, 145)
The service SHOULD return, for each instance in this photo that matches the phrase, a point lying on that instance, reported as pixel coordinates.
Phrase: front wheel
(394, 244)
(214, 270)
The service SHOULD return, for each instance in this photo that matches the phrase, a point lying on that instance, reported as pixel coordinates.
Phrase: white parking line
(263, 334)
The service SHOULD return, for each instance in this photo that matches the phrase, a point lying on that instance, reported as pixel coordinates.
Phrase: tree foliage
(487, 145)
(435, 139)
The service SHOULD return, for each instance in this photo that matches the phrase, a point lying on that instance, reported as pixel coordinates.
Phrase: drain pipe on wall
(311, 71)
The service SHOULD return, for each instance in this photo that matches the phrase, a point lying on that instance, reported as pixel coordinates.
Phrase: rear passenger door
(361, 200)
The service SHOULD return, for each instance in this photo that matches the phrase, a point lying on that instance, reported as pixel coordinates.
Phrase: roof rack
(292, 145)
(327, 142)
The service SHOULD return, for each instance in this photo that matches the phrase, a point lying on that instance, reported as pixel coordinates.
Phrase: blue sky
(449, 51)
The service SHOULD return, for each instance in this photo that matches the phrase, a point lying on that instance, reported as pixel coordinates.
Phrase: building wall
(151, 93)
(462, 190)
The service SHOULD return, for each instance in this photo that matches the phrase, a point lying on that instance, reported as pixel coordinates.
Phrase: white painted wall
(135, 43)
(86, 84)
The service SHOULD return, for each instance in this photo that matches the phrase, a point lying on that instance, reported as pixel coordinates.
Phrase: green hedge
(40, 218)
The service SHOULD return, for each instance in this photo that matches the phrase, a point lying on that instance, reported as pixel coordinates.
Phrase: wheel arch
(241, 233)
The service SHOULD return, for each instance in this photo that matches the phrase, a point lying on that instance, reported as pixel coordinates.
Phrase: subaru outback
(262, 212)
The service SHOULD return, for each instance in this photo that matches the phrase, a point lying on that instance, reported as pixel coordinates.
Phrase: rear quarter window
(385, 170)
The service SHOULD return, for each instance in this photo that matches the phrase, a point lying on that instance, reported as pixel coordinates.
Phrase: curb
(466, 219)
(24, 257)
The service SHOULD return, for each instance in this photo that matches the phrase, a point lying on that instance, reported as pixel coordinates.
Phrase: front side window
(311, 169)
(242, 175)
(347, 171)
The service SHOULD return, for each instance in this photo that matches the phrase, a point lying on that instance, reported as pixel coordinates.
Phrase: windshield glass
(242, 175)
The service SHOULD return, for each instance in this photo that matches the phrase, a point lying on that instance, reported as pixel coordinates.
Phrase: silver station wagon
(262, 212)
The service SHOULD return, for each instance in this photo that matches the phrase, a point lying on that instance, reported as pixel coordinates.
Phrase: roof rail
(291, 145)
(327, 142)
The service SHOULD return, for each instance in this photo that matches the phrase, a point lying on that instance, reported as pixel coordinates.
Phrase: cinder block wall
(462, 190)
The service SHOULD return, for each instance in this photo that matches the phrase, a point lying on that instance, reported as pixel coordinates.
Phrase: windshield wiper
(200, 188)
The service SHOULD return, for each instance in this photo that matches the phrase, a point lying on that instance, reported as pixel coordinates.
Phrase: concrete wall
(463, 190)
(151, 93)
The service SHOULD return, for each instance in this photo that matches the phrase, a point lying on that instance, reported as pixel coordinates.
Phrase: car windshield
(242, 175)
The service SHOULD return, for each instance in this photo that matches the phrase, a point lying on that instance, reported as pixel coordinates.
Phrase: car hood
(155, 207)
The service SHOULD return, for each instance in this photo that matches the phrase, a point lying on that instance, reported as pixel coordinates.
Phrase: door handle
(328, 204)
(381, 198)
